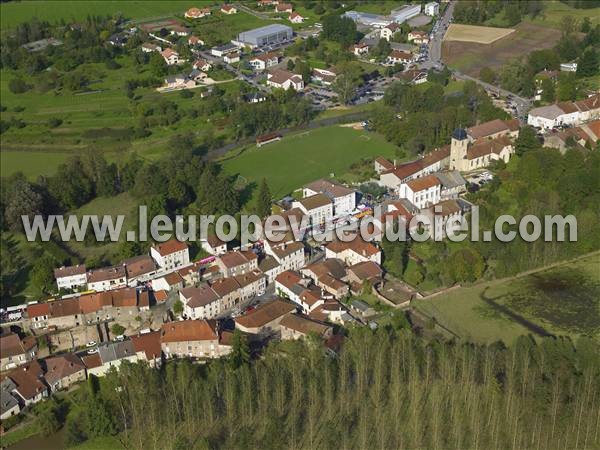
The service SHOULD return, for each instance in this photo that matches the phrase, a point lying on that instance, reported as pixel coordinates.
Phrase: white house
(202, 64)
(283, 79)
(232, 58)
(360, 49)
(170, 56)
(228, 9)
(264, 61)
(149, 47)
(323, 76)
(296, 18)
(195, 40)
(197, 13)
(70, 277)
(289, 255)
(399, 57)
(213, 245)
(343, 198)
(432, 9)
(353, 252)
(389, 31)
(107, 278)
(200, 302)
(565, 113)
(418, 37)
(170, 255)
(422, 192)
(318, 207)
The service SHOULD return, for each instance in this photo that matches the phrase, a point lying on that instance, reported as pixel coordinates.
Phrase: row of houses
(119, 304)
(164, 257)
(36, 379)
(565, 113)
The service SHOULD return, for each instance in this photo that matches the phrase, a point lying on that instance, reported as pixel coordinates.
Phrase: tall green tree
(588, 63)
(263, 207)
(240, 352)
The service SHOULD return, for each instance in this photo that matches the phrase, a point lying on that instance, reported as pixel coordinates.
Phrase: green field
(563, 300)
(307, 156)
(221, 28)
(14, 13)
(383, 7)
(105, 106)
(554, 11)
(31, 164)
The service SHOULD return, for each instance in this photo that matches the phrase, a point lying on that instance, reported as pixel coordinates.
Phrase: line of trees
(386, 389)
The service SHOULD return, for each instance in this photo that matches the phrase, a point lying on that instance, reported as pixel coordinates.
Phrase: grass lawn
(563, 300)
(14, 13)
(101, 443)
(383, 7)
(307, 156)
(219, 28)
(555, 10)
(31, 164)
(123, 204)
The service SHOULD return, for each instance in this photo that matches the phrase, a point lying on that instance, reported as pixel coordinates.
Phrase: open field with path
(471, 57)
(472, 33)
(561, 300)
(307, 156)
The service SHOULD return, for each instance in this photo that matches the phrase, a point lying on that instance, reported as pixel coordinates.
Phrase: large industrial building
(267, 35)
(405, 13)
(399, 15)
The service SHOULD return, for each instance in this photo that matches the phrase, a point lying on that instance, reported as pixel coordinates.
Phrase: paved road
(435, 60)
(523, 104)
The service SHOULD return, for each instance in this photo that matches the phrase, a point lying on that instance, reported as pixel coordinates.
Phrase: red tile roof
(149, 343)
(169, 247)
(426, 182)
(187, 330)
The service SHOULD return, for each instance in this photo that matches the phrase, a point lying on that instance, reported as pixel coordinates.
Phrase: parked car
(91, 351)
(91, 344)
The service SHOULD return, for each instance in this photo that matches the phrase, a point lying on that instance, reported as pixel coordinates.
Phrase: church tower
(458, 150)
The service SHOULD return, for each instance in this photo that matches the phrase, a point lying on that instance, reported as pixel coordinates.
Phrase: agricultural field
(307, 156)
(90, 119)
(562, 300)
(53, 11)
(472, 33)
(471, 57)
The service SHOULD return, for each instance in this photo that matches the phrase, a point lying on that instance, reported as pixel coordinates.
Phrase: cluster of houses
(432, 184)
(565, 113)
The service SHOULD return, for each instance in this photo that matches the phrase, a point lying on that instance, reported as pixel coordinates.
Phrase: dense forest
(385, 389)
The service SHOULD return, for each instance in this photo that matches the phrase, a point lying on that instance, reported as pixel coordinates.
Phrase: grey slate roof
(450, 180)
(115, 351)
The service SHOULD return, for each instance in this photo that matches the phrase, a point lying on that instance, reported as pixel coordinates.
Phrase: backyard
(562, 300)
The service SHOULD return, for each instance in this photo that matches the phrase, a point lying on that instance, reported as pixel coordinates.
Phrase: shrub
(18, 86)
